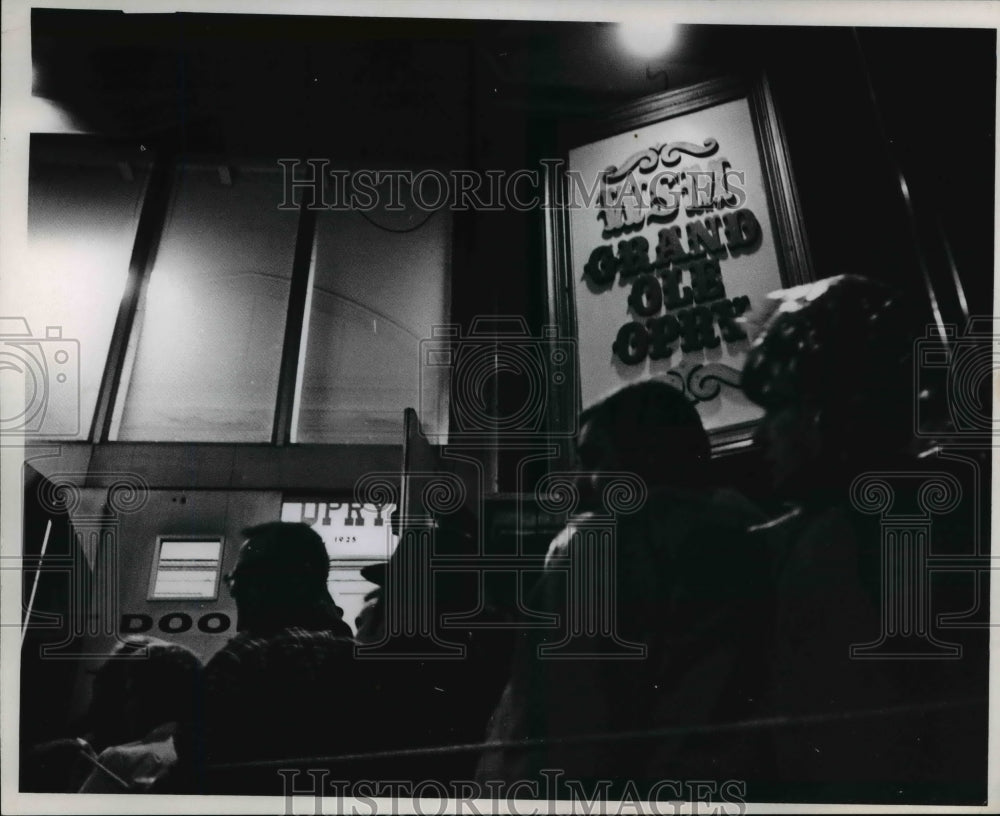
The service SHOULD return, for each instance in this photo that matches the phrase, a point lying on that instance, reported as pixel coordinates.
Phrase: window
(381, 282)
(205, 352)
(83, 209)
(186, 569)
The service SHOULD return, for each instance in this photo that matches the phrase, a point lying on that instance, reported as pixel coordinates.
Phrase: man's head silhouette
(280, 580)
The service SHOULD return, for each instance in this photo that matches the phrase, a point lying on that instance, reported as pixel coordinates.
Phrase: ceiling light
(648, 38)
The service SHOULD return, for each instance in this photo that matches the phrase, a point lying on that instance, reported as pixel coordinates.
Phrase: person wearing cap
(831, 371)
(287, 685)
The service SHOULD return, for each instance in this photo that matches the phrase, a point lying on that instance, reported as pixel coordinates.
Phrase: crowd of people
(745, 620)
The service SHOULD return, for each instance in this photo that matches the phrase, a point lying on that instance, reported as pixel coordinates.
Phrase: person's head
(146, 683)
(830, 369)
(280, 579)
(649, 429)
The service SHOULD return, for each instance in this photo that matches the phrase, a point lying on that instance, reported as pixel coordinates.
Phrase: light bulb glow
(648, 39)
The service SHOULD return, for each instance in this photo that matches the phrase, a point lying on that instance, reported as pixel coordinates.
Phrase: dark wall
(861, 107)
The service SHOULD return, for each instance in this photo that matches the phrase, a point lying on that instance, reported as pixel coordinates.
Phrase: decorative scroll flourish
(871, 494)
(668, 155)
(378, 488)
(676, 378)
(703, 381)
(940, 494)
(128, 493)
(708, 147)
(63, 492)
(444, 493)
(936, 493)
(558, 492)
(59, 495)
(621, 492)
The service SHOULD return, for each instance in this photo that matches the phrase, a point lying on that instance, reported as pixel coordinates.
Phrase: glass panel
(187, 569)
(60, 307)
(381, 283)
(206, 350)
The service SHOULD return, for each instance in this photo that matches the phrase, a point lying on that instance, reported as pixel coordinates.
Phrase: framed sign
(669, 225)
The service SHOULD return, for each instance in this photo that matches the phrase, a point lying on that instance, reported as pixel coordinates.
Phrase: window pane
(83, 208)
(187, 569)
(207, 343)
(381, 282)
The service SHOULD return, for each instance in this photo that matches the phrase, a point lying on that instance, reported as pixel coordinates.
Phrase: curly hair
(840, 347)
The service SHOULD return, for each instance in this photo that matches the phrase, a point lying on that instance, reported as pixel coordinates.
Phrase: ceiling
(225, 81)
